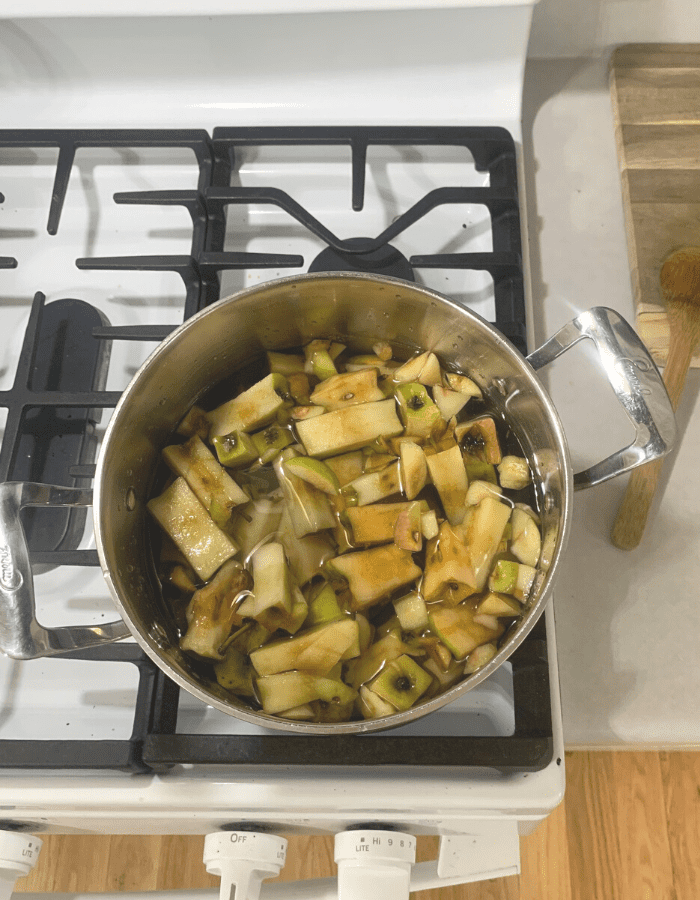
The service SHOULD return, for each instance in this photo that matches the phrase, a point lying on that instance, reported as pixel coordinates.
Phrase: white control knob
(243, 860)
(374, 865)
(18, 854)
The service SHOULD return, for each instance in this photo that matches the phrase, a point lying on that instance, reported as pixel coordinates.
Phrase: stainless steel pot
(358, 310)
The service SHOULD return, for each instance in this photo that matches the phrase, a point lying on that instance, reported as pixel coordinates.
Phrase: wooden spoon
(680, 287)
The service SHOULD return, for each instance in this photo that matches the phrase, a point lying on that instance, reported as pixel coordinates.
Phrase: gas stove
(74, 350)
(111, 237)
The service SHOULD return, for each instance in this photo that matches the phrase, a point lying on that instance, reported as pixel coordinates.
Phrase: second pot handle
(636, 381)
(21, 636)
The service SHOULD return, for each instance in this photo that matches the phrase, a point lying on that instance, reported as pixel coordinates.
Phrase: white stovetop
(627, 623)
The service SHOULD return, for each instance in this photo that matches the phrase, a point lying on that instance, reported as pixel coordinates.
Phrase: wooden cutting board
(656, 105)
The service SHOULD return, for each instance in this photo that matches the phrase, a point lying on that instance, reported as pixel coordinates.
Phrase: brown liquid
(383, 612)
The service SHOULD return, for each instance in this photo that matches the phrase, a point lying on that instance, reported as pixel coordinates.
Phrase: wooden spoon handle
(634, 510)
(632, 515)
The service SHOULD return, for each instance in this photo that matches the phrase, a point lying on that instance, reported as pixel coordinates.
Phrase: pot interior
(209, 348)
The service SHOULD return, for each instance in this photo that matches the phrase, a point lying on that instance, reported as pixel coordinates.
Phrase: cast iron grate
(55, 404)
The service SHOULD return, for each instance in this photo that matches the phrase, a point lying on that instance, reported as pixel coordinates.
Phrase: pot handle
(637, 384)
(21, 636)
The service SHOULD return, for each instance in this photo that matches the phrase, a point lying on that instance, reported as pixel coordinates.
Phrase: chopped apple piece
(421, 417)
(252, 409)
(342, 430)
(478, 470)
(436, 651)
(514, 473)
(490, 622)
(347, 466)
(300, 612)
(309, 509)
(407, 531)
(482, 533)
(254, 521)
(429, 524)
(211, 612)
(449, 573)
(449, 476)
(479, 656)
(505, 540)
(383, 350)
(479, 489)
(287, 690)
(373, 660)
(195, 422)
(348, 389)
(413, 469)
(272, 598)
(235, 450)
(306, 412)
(332, 712)
(273, 618)
(479, 438)
(306, 555)
(431, 373)
(450, 403)
(525, 541)
(499, 605)
(321, 365)
(374, 524)
(530, 511)
(315, 471)
(384, 367)
(270, 441)
(442, 678)
(316, 650)
(510, 577)
(180, 577)
(401, 682)
(459, 632)
(463, 385)
(372, 706)
(374, 486)
(366, 631)
(178, 512)
(215, 489)
(374, 574)
(300, 388)
(314, 346)
(235, 673)
(323, 606)
(375, 462)
(411, 612)
(303, 713)
(424, 368)
(285, 363)
(318, 359)
(249, 637)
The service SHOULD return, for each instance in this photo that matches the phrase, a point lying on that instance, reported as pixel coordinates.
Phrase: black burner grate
(56, 400)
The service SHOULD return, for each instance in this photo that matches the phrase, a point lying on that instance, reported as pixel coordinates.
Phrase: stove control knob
(18, 854)
(243, 860)
(374, 865)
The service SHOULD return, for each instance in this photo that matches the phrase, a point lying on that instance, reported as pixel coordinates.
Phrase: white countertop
(627, 623)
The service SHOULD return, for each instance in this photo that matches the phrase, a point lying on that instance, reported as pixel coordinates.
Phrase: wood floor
(629, 829)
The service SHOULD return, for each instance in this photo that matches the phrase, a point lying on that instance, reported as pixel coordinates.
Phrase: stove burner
(386, 260)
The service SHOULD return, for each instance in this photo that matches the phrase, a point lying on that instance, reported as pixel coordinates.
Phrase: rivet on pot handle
(21, 636)
(637, 384)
